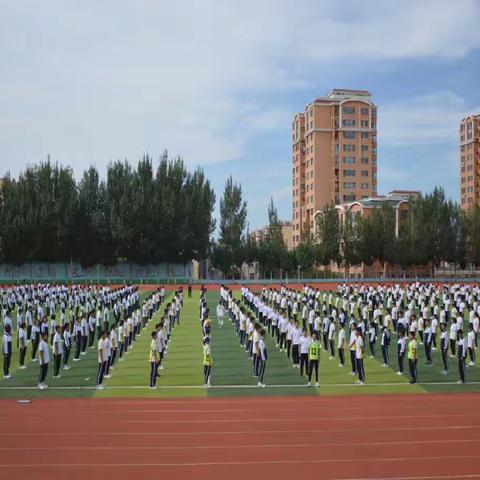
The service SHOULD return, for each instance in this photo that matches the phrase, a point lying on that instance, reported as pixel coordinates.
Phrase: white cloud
(427, 119)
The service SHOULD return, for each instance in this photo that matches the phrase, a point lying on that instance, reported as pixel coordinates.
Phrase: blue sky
(218, 83)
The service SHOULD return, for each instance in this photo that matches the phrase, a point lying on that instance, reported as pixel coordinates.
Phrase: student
(161, 344)
(427, 340)
(313, 359)
(332, 328)
(57, 351)
(385, 344)
(84, 329)
(471, 344)
(352, 347)
(462, 353)
(67, 345)
(91, 329)
(359, 356)
(102, 359)
(121, 342)
(453, 339)
(154, 361)
(296, 335)
(412, 356)
(304, 346)
(341, 345)
(372, 338)
(44, 358)
(220, 313)
(22, 345)
(444, 347)
(113, 345)
(207, 362)
(401, 348)
(35, 339)
(262, 357)
(7, 350)
(77, 335)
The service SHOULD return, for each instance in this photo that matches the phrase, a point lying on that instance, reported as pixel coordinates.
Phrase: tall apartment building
(334, 154)
(470, 161)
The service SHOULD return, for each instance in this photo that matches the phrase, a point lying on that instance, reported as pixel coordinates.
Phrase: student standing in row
(102, 359)
(44, 357)
(22, 345)
(471, 345)
(313, 359)
(207, 362)
(220, 313)
(262, 357)
(67, 346)
(341, 345)
(444, 340)
(462, 353)
(57, 351)
(7, 350)
(304, 346)
(154, 360)
(412, 357)
(359, 356)
(401, 347)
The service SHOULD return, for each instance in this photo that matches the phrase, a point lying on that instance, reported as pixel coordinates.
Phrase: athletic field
(232, 371)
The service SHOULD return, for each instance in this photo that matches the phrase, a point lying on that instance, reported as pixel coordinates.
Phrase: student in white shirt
(220, 314)
(453, 338)
(57, 348)
(341, 345)
(401, 348)
(304, 346)
(7, 350)
(471, 345)
(44, 358)
(262, 357)
(102, 359)
(22, 345)
(296, 335)
(462, 353)
(67, 345)
(359, 356)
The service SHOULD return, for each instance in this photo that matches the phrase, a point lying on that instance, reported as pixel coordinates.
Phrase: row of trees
(432, 230)
(139, 214)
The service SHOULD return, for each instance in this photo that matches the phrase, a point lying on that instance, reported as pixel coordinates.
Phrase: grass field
(232, 370)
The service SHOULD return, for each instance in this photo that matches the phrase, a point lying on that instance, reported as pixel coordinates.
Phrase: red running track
(367, 437)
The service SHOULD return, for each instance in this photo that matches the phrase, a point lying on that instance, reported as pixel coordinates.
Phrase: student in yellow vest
(412, 357)
(154, 359)
(313, 359)
(207, 362)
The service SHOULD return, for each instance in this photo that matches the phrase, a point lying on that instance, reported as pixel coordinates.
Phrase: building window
(347, 122)
(365, 160)
(349, 134)
(348, 147)
(349, 160)
(364, 148)
(364, 186)
(349, 185)
(348, 110)
(364, 173)
(364, 135)
(364, 123)
(364, 111)
(349, 198)
(349, 173)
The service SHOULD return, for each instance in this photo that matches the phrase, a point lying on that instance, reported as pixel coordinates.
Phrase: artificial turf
(231, 372)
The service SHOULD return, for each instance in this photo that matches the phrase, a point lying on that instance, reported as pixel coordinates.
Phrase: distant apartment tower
(470, 161)
(334, 155)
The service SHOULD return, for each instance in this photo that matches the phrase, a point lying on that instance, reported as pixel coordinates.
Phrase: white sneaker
(434, 349)
(65, 367)
(23, 367)
(371, 356)
(358, 382)
(100, 387)
(56, 376)
(40, 386)
(45, 385)
(317, 384)
(112, 367)
(153, 388)
(460, 382)
(76, 359)
(331, 358)
(83, 353)
(399, 373)
(452, 356)
(309, 384)
(341, 365)
(259, 384)
(161, 367)
(34, 359)
(121, 359)
(471, 364)
(262, 385)
(361, 383)
(107, 376)
(7, 376)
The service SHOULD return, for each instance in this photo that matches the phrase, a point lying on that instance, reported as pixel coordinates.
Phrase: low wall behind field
(74, 272)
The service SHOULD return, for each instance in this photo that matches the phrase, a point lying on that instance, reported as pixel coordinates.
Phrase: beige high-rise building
(334, 154)
(470, 161)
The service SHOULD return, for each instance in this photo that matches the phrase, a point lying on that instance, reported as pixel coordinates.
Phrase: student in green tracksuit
(313, 359)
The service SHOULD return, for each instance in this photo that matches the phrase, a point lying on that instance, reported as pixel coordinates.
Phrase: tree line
(431, 231)
(140, 214)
